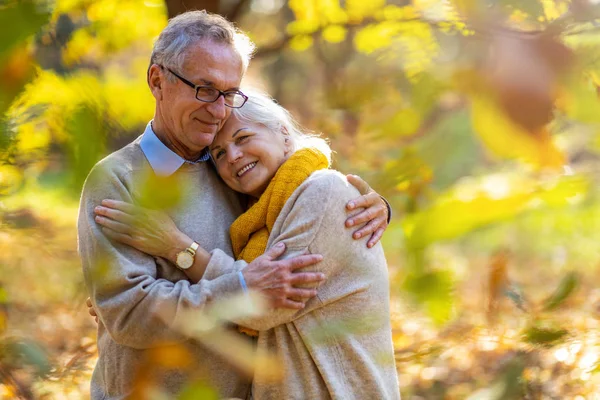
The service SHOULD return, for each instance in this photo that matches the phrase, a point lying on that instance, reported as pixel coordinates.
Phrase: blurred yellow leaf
(359, 9)
(334, 33)
(301, 42)
(506, 139)
(11, 179)
(375, 36)
(152, 193)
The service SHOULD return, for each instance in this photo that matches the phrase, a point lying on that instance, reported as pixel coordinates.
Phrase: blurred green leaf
(517, 297)
(508, 386)
(544, 336)
(20, 352)
(87, 141)
(334, 329)
(565, 288)
(198, 391)
(434, 290)
(19, 20)
(533, 8)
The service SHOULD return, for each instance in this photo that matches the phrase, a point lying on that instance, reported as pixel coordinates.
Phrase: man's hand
(277, 279)
(375, 212)
(91, 309)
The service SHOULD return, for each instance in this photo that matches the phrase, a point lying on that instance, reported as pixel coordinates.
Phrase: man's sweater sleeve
(136, 308)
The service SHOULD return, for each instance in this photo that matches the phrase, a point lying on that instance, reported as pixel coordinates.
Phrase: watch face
(184, 260)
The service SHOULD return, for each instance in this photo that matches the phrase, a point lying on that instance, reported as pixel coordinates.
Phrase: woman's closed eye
(218, 154)
(242, 139)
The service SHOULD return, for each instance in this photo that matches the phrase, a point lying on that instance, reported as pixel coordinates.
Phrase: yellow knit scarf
(250, 232)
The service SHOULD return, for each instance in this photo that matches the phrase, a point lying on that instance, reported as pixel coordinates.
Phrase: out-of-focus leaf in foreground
(19, 20)
(508, 386)
(565, 288)
(475, 203)
(544, 336)
(210, 326)
(434, 290)
(19, 352)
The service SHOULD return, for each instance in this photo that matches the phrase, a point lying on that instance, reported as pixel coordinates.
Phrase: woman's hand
(375, 213)
(150, 231)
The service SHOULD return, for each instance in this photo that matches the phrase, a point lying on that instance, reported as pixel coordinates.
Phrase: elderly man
(137, 297)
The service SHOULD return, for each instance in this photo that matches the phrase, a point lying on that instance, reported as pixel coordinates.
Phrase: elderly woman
(338, 345)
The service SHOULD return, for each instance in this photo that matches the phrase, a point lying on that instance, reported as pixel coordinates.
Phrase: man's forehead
(217, 64)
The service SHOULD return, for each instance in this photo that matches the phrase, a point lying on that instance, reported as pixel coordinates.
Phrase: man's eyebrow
(204, 82)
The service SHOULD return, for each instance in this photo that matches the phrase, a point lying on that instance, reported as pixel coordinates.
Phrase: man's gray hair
(185, 30)
(263, 109)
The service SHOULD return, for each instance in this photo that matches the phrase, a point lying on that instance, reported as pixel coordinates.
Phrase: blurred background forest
(478, 119)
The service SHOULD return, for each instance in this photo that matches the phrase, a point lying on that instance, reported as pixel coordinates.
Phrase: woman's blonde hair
(263, 109)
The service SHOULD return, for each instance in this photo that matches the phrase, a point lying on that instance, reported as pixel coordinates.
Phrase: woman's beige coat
(340, 345)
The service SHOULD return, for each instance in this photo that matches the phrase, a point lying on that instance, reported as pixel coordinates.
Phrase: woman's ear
(155, 81)
(287, 140)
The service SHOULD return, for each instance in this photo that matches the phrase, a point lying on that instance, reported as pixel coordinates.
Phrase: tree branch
(236, 11)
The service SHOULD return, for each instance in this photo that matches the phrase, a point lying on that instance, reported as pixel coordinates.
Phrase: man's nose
(218, 109)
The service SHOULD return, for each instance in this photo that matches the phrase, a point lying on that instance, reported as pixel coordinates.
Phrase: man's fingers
(300, 278)
(369, 228)
(375, 237)
(301, 261)
(113, 225)
(88, 302)
(356, 181)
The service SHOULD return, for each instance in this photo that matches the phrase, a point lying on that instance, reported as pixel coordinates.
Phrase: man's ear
(156, 79)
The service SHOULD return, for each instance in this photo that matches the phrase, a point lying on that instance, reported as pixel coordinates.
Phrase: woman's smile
(246, 168)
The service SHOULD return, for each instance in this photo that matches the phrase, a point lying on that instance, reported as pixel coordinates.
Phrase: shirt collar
(163, 160)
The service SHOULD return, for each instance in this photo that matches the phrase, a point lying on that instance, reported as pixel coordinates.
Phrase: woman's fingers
(119, 237)
(115, 214)
(274, 252)
(114, 225)
(301, 294)
(121, 205)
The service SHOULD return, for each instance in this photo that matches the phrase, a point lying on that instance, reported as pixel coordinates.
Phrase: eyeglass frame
(221, 93)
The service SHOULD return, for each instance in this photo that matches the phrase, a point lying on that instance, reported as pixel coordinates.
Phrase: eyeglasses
(209, 94)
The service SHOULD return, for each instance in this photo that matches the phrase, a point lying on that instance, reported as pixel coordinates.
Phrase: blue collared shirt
(163, 160)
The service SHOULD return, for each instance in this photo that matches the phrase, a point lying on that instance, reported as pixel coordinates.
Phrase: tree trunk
(176, 7)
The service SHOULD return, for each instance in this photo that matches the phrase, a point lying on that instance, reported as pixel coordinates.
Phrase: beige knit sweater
(340, 345)
(129, 288)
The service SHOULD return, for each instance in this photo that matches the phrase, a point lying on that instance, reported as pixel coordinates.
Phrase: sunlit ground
(472, 356)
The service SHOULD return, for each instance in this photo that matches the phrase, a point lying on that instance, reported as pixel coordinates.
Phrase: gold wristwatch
(185, 259)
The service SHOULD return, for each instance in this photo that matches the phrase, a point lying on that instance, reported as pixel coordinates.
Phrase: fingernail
(350, 222)
(97, 219)
(279, 244)
(357, 236)
(322, 277)
(351, 205)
